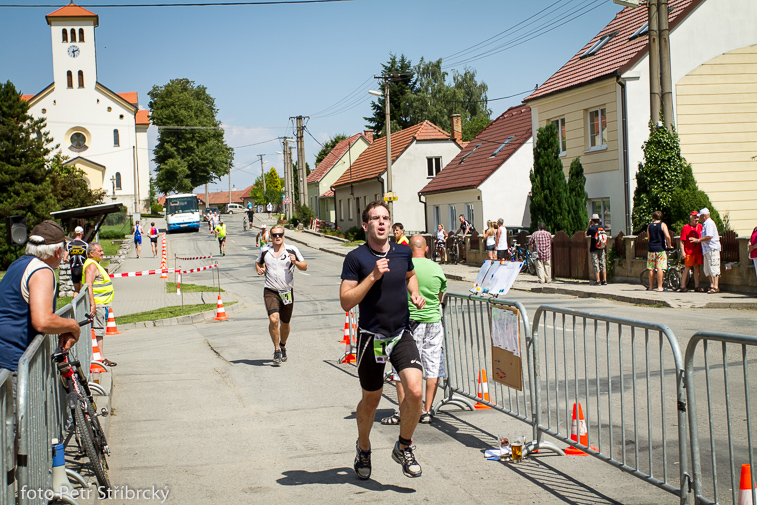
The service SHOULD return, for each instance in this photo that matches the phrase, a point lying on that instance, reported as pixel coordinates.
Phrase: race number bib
(382, 346)
(286, 296)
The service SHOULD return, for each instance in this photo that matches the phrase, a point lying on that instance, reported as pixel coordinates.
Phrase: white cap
(78, 229)
(704, 211)
(262, 226)
(594, 216)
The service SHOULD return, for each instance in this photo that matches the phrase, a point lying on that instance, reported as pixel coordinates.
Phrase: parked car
(208, 211)
(234, 208)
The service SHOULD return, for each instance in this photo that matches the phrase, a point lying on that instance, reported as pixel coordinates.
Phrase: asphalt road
(201, 410)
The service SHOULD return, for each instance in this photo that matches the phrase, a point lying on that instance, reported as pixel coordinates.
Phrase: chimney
(456, 124)
(369, 135)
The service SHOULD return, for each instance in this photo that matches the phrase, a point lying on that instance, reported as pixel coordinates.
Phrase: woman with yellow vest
(100, 294)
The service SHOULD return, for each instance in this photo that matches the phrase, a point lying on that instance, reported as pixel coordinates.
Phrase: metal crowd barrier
(629, 398)
(7, 439)
(725, 377)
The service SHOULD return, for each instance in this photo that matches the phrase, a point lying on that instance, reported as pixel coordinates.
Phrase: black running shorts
(76, 273)
(371, 374)
(274, 303)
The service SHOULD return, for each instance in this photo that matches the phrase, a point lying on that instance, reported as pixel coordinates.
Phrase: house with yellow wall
(599, 100)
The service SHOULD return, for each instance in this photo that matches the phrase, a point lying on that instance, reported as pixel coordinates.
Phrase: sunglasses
(277, 235)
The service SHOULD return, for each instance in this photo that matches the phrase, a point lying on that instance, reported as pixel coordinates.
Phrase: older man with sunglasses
(277, 262)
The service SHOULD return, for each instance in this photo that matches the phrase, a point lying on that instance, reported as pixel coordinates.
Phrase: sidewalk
(622, 292)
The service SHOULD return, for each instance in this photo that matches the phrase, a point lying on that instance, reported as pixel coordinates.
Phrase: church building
(100, 131)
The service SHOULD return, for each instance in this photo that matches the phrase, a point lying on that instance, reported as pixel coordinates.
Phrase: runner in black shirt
(77, 255)
(377, 276)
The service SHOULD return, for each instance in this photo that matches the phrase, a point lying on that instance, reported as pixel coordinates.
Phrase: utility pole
(288, 180)
(389, 197)
(302, 172)
(654, 61)
(229, 186)
(262, 169)
(665, 79)
(207, 203)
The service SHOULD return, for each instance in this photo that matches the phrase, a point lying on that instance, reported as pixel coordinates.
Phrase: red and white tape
(209, 257)
(200, 269)
(159, 271)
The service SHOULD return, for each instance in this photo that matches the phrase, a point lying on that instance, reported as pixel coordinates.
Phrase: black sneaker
(362, 463)
(604, 283)
(283, 353)
(406, 458)
(276, 357)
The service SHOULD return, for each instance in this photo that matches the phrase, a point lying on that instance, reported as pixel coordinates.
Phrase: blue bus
(182, 212)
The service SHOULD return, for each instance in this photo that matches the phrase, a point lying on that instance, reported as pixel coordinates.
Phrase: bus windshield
(180, 205)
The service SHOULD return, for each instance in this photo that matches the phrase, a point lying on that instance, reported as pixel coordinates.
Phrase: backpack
(601, 238)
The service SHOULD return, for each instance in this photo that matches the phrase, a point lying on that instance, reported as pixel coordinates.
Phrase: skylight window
(466, 156)
(643, 30)
(598, 45)
(502, 146)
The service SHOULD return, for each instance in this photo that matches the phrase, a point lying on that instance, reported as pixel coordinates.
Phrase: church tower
(73, 38)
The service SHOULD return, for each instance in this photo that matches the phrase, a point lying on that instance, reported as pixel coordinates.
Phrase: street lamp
(389, 197)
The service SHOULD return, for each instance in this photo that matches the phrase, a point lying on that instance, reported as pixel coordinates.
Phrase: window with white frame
(433, 166)
(601, 207)
(349, 206)
(452, 218)
(469, 214)
(560, 123)
(598, 128)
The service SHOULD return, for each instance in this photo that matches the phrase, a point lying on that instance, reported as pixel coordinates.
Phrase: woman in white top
(441, 237)
(489, 235)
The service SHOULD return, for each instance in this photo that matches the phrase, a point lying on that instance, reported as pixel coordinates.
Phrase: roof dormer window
(467, 155)
(643, 30)
(502, 146)
(604, 39)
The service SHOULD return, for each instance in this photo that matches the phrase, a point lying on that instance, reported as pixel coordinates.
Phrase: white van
(234, 208)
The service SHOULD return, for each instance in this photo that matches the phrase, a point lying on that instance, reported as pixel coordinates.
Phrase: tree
(69, 187)
(548, 186)
(665, 182)
(328, 146)
(473, 126)
(24, 168)
(402, 83)
(577, 198)
(191, 150)
(273, 186)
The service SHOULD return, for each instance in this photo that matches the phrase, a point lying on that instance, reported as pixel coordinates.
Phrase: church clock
(73, 51)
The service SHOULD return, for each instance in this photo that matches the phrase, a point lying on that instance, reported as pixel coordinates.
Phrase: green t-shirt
(431, 281)
(221, 230)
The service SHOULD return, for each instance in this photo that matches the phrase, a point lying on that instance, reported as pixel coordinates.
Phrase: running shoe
(283, 353)
(425, 418)
(276, 357)
(362, 463)
(406, 458)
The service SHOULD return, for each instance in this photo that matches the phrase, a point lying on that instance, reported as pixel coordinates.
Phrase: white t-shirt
(709, 229)
(279, 272)
(502, 243)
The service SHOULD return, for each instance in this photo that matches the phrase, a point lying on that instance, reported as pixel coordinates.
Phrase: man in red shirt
(691, 252)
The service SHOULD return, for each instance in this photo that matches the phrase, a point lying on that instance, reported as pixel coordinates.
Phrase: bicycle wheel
(87, 437)
(531, 265)
(644, 278)
(672, 279)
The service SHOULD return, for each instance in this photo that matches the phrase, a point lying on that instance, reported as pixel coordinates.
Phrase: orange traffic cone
(745, 487)
(347, 357)
(220, 311)
(96, 365)
(111, 329)
(482, 391)
(578, 432)
(346, 332)
(163, 259)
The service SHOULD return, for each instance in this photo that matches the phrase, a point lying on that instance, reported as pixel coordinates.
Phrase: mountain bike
(85, 426)
(671, 277)
(438, 252)
(453, 247)
(523, 254)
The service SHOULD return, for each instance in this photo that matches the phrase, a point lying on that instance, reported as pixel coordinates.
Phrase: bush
(156, 208)
(304, 214)
(117, 218)
(355, 233)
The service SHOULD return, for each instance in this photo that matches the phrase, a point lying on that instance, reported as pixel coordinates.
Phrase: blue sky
(264, 64)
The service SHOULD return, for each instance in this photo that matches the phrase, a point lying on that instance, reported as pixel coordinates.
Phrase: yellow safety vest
(102, 290)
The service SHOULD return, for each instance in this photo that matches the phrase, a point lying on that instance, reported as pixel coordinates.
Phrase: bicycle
(86, 427)
(671, 277)
(524, 255)
(454, 253)
(437, 253)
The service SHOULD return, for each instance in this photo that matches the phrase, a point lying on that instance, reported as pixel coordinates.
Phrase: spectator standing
(490, 239)
(441, 237)
(658, 241)
(710, 241)
(501, 240)
(691, 252)
(101, 293)
(399, 234)
(541, 242)
(77, 255)
(269, 209)
(154, 240)
(138, 232)
(598, 255)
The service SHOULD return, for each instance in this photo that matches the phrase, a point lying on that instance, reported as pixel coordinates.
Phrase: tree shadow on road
(342, 475)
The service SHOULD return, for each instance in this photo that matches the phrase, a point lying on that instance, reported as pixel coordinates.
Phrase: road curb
(199, 317)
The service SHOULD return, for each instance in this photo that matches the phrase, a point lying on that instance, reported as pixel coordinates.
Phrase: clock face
(73, 51)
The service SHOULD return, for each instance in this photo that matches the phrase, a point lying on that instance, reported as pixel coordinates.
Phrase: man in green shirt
(426, 326)
(220, 232)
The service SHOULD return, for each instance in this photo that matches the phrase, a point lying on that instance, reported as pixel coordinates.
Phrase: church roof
(142, 117)
(129, 96)
(72, 11)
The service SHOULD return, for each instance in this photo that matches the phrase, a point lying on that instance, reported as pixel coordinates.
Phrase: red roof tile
(26, 98)
(328, 194)
(142, 117)
(479, 158)
(72, 11)
(330, 160)
(617, 55)
(372, 162)
(129, 96)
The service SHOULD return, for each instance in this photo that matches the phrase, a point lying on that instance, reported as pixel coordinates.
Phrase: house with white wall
(418, 154)
(330, 169)
(102, 132)
(600, 102)
(488, 179)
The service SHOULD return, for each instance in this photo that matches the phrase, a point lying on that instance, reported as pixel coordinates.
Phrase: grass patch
(168, 312)
(117, 231)
(191, 288)
(354, 243)
(110, 248)
(64, 300)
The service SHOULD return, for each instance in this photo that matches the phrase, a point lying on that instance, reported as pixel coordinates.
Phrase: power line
(311, 136)
(204, 4)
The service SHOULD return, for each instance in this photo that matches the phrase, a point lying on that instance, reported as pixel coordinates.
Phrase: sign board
(496, 277)
(287, 200)
(390, 196)
(507, 365)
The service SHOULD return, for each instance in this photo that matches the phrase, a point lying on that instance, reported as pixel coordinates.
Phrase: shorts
(490, 248)
(101, 318)
(76, 273)
(693, 259)
(657, 260)
(599, 260)
(502, 254)
(712, 264)
(274, 303)
(429, 338)
(404, 355)
(221, 239)
(154, 240)
(138, 240)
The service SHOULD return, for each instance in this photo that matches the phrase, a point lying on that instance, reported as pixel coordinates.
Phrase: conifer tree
(577, 197)
(548, 187)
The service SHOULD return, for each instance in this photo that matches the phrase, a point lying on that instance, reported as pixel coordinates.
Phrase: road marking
(303, 273)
